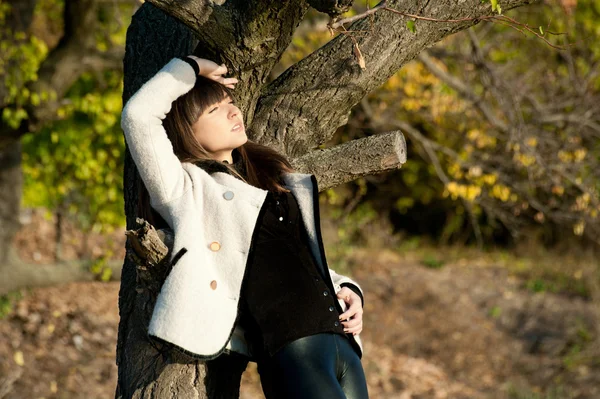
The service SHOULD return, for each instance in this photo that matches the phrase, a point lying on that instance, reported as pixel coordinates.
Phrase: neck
(223, 156)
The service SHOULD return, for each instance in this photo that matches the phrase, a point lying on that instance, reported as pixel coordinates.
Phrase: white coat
(213, 217)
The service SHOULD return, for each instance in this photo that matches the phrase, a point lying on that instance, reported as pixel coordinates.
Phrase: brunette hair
(260, 165)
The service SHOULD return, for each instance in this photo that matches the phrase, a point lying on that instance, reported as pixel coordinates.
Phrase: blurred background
(478, 258)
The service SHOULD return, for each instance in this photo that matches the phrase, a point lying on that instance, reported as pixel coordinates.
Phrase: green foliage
(7, 302)
(20, 58)
(540, 174)
(495, 311)
(574, 356)
(431, 261)
(76, 163)
(552, 392)
(100, 269)
(351, 229)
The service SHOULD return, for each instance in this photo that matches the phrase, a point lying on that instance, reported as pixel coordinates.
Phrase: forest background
(498, 201)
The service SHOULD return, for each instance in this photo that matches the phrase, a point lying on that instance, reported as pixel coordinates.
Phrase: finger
(344, 293)
(221, 70)
(352, 323)
(348, 314)
(353, 310)
(228, 81)
(352, 330)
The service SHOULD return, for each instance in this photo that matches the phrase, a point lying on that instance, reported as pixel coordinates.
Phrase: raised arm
(146, 137)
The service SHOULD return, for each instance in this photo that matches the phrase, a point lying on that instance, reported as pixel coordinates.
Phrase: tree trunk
(294, 114)
(11, 182)
(146, 369)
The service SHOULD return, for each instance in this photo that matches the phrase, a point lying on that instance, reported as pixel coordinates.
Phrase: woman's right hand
(213, 71)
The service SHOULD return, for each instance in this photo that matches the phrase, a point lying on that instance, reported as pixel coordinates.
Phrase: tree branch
(348, 161)
(293, 104)
(75, 54)
(249, 37)
(463, 90)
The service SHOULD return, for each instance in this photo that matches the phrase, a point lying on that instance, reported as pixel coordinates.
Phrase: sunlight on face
(220, 128)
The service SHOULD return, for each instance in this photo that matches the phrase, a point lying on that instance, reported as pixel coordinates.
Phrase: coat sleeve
(150, 148)
(340, 281)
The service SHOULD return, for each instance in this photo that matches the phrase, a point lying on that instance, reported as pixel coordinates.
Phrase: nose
(234, 111)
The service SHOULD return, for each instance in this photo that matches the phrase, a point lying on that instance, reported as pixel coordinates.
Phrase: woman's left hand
(354, 312)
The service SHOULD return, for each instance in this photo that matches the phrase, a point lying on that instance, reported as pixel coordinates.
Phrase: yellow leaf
(579, 227)
(531, 142)
(19, 359)
(558, 190)
(579, 154)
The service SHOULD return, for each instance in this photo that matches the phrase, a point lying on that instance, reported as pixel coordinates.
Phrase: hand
(353, 315)
(213, 71)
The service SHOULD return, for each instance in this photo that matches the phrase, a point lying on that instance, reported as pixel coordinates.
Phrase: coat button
(325, 293)
(228, 195)
(215, 246)
(337, 323)
(331, 308)
(213, 284)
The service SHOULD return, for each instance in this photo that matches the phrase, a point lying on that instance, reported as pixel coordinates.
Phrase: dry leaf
(19, 359)
(359, 56)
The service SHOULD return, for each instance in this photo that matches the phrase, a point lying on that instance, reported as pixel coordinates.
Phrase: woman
(249, 269)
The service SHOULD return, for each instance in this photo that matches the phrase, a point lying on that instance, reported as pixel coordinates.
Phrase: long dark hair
(258, 164)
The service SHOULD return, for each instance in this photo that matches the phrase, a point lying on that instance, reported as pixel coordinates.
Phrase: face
(220, 128)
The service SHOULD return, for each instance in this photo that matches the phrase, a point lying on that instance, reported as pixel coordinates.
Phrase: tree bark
(294, 114)
(349, 161)
(304, 119)
(11, 183)
(148, 369)
(248, 36)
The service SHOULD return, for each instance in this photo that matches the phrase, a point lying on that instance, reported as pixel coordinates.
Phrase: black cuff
(192, 63)
(355, 289)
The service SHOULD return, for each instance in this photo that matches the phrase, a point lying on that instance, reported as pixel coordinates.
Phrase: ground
(464, 329)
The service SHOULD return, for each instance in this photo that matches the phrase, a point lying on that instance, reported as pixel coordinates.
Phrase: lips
(237, 127)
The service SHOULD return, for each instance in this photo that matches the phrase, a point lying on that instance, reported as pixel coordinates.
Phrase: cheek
(210, 134)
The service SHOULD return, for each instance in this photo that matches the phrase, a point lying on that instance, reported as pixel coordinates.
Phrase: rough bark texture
(11, 182)
(303, 120)
(294, 114)
(248, 36)
(147, 369)
(349, 161)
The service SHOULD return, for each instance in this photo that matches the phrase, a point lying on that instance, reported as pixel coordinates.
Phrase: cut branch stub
(348, 161)
(148, 245)
(149, 250)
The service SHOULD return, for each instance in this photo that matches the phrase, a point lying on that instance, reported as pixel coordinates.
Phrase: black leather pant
(318, 366)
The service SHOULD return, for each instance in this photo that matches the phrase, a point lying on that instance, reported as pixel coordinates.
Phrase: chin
(243, 140)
